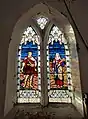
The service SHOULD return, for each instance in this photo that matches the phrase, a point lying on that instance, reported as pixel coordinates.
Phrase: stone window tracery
(29, 78)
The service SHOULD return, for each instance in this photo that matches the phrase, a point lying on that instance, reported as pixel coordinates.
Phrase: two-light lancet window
(58, 71)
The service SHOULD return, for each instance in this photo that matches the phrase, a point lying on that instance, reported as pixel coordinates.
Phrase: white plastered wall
(76, 81)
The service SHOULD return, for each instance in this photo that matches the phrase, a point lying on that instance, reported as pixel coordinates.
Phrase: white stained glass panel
(38, 58)
(47, 57)
(68, 70)
(39, 75)
(39, 81)
(66, 47)
(19, 57)
(39, 53)
(18, 70)
(19, 63)
(55, 35)
(30, 35)
(69, 75)
(38, 47)
(68, 64)
(39, 87)
(39, 63)
(67, 53)
(42, 21)
(18, 81)
(38, 69)
(67, 58)
(28, 100)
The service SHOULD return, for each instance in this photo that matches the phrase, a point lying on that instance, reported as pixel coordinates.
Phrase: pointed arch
(58, 67)
(28, 75)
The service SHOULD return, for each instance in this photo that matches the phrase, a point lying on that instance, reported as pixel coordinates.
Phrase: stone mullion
(42, 71)
(44, 87)
(45, 77)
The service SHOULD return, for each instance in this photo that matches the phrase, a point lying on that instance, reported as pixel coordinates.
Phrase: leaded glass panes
(42, 21)
(29, 80)
(58, 67)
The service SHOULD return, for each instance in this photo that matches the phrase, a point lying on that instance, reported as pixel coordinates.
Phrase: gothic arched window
(56, 57)
(58, 67)
(29, 81)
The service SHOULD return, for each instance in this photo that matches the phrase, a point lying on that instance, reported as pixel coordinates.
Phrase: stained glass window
(42, 21)
(28, 81)
(58, 67)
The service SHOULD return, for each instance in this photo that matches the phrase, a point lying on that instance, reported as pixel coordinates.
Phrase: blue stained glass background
(29, 47)
(56, 48)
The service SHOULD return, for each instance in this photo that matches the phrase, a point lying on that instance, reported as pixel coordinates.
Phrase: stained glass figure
(29, 84)
(57, 66)
(42, 21)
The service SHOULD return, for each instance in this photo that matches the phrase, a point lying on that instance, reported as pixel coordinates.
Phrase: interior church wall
(11, 80)
(75, 71)
(12, 10)
(21, 25)
(79, 17)
(82, 58)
